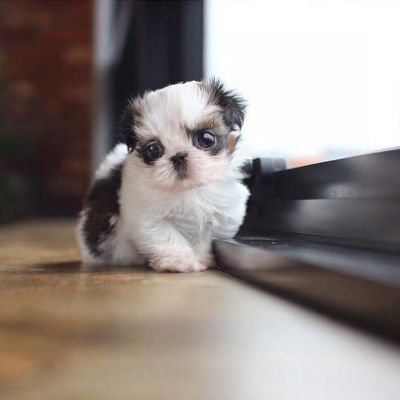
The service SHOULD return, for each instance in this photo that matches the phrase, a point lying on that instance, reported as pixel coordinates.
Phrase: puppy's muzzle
(179, 161)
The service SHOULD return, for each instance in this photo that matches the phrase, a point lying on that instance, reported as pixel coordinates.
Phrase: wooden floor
(71, 333)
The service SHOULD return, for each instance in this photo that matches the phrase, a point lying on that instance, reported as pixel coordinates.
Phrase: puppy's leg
(166, 249)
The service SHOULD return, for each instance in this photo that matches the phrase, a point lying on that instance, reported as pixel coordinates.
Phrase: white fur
(115, 157)
(164, 220)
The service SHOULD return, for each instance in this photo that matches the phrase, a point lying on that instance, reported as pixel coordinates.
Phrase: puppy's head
(183, 136)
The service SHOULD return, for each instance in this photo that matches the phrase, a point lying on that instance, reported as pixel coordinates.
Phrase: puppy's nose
(179, 158)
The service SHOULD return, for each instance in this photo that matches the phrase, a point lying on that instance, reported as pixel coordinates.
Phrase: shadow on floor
(78, 267)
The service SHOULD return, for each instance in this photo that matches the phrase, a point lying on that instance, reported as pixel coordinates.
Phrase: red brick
(57, 35)
(77, 55)
(48, 47)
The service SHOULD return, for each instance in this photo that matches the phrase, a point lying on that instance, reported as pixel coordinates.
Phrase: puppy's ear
(233, 106)
(127, 123)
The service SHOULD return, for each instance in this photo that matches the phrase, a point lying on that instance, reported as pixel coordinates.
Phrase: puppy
(173, 186)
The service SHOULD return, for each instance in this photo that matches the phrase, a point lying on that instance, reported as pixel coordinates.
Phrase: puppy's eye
(204, 139)
(153, 151)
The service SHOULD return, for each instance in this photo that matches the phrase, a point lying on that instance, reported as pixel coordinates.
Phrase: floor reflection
(79, 267)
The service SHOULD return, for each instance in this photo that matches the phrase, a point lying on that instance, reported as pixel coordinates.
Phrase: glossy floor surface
(68, 332)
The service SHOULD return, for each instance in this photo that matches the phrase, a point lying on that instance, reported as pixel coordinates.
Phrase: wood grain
(69, 332)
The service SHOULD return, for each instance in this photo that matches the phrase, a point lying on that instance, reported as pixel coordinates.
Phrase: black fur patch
(233, 105)
(101, 204)
(247, 168)
(127, 122)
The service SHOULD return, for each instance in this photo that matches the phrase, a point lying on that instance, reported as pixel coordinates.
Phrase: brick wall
(47, 48)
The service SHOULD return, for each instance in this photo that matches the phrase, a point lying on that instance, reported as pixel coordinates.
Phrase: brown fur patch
(209, 122)
(232, 142)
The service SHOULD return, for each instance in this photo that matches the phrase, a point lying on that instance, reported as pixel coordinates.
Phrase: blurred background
(321, 78)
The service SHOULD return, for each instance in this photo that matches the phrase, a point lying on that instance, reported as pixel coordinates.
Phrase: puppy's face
(183, 136)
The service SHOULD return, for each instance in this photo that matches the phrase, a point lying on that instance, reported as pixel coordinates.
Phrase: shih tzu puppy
(173, 186)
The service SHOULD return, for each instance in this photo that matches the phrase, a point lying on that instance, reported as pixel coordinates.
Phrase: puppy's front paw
(176, 263)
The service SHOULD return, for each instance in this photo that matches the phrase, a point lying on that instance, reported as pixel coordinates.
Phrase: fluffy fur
(174, 186)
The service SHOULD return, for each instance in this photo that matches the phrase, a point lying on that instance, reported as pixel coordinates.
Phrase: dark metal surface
(365, 264)
(342, 284)
(353, 201)
(375, 175)
(325, 235)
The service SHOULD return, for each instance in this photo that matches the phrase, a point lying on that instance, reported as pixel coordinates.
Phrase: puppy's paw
(176, 263)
